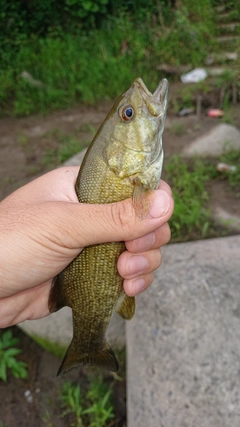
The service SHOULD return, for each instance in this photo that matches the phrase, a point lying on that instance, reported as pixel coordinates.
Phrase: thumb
(89, 224)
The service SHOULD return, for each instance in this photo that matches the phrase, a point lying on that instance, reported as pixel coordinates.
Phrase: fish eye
(127, 113)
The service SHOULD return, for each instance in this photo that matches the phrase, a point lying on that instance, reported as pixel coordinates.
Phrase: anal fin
(126, 308)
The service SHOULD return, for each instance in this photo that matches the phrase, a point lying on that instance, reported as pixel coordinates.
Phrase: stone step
(224, 17)
(227, 38)
(220, 9)
(228, 42)
(231, 26)
(216, 71)
(221, 57)
(221, 138)
(183, 345)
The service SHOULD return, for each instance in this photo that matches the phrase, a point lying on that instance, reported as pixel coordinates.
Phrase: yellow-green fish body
(124, 160)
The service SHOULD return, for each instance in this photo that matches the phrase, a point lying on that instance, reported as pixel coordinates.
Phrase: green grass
(91, 409)
(233, 159)
(188, 184)
(189, 181)
(100, 64)
(72, 403)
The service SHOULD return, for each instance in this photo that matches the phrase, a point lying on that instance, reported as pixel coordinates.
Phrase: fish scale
(124, 160)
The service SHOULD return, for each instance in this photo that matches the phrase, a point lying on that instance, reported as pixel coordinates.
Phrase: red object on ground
(215, 113)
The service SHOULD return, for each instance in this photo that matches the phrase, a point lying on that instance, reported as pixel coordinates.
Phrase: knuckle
(122, 214)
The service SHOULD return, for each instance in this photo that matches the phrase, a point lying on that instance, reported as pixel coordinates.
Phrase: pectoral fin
(127, 308)
(140, 200)
(56, 298)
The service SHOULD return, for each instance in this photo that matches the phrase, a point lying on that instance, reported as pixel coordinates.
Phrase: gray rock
(213, 143)
(183, 345)
(224, 218)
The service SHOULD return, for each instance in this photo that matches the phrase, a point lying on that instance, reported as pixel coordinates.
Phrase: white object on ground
(194, 76)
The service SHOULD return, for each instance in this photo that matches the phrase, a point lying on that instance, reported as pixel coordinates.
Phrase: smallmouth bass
(124, 160)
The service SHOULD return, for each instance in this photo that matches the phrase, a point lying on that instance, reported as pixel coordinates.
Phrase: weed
(101, 411)
(100, 396)
(95, 410)
(8, 359)
(190, 214)
(72, 402)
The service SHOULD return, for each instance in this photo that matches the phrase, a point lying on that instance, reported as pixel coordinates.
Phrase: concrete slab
(213, 143)
(57, 329)
(183, 345)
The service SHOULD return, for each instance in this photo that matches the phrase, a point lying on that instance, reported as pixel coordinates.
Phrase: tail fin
(104, 358)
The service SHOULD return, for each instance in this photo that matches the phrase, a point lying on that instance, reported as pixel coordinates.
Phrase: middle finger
(153, 240)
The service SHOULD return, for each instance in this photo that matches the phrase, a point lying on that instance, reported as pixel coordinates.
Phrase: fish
(124, 160)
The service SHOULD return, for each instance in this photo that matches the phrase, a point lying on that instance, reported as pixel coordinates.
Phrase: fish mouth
(156, 102)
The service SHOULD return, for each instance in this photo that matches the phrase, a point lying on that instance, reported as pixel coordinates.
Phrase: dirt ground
(27, 147)
(35, 402)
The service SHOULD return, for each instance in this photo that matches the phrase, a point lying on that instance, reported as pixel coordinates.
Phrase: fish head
(142, 115)
(137, 119)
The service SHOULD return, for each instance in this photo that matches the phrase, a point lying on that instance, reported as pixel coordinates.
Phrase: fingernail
(138, 286)
(144, 243)
(136, 264)
(160, 204)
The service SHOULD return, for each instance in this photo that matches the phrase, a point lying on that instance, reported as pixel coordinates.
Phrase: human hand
(43, 228)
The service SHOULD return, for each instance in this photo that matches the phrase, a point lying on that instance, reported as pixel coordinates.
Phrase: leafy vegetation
(54, 54)
(189, 180)
(188, 183)
(8, 359)
(95, 410)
